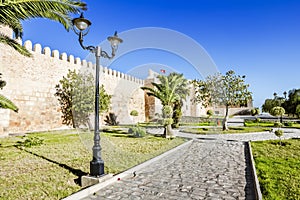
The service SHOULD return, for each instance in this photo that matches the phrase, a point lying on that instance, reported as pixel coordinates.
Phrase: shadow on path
(250, 183)
(76, 172)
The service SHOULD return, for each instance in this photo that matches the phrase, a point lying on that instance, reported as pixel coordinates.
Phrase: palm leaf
(57, 10)
(7, 104)
(10, 42)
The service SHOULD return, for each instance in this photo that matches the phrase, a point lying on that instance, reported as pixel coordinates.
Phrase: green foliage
(76, 95)
(257, 120)
(228, 90)
(279, 132)
(297, 112)
(167, 111)
(12, 12)
(289, 124)
(277, 124)
(168, 121)
(269, 104)
(209, 113)
(5, 103)
(111, 119)
(137, 131)
(277, 111)
(177, 114)
(291, 105)
(171, 88)
(134, 113)
(254, 111)
(31, 141)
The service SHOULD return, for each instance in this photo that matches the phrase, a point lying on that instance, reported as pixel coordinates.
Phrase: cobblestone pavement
(211, 167)
(205, 169)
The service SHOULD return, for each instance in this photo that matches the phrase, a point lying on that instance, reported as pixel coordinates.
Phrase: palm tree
(171, 89)
(12, 12)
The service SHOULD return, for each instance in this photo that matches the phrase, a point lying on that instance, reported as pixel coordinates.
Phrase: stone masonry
(31, 86)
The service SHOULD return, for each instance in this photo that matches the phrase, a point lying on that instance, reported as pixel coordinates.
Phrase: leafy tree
(277, 111)
(12, 12)
(228, 90)
(76, 95)
(171, 89)
(292, 102)
(269, 104)
(5, 103)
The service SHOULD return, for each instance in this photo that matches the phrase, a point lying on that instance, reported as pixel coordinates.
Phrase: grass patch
(278, 168)
(218, 130)
(50, 169)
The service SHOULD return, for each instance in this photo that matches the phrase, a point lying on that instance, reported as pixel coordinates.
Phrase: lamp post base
(96, 168)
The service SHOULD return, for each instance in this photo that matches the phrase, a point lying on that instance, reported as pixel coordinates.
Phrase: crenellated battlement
(46, 51)
(31, 85)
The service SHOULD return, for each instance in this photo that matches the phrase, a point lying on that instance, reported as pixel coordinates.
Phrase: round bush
(277, 124)
(279, 133)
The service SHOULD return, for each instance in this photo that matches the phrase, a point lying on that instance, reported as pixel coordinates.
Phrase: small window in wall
(217, 112)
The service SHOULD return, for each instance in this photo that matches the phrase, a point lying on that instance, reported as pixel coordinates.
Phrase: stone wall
(31, 86)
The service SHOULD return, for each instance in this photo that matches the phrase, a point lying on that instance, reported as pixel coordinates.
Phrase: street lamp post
(81, 28)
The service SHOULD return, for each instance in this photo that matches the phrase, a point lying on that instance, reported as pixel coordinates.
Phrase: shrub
(31, 141)
(134, 113)
(210, 113)
(289, 124)
(137, 131)
(277, 124)
(111, 119)
(257, 120)
(168, 121)
(279, 133)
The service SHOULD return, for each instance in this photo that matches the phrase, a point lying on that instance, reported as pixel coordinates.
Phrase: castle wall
(31, 86)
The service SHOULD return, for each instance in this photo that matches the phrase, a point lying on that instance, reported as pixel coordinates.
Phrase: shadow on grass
(76, 172)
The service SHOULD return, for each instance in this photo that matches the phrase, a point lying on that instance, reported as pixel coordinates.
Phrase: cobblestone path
(205, 169)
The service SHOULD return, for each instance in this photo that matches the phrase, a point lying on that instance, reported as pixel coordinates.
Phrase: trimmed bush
(289, 124)
(277, 124)
(137, 131)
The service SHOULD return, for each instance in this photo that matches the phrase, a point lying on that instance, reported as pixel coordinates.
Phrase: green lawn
(51, 170)
(278, 168)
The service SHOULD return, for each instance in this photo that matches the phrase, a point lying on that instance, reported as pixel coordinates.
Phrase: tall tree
(5, 103)
(75, 94)
(12, 12)
(228, 90)
(171, 89)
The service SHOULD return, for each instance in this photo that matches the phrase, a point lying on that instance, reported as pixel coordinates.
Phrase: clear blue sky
(256, 38)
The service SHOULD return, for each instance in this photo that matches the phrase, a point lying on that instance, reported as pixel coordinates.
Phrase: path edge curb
(92, 189)
(258, 193)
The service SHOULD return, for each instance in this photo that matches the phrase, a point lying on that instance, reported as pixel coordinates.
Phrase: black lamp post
(81, 28)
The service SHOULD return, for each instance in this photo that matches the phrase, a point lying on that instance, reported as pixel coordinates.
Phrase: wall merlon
(55, 54)
(64, 56)
(37, 48)
(71, 59)
(47, 51)
(28, 45)
(77, 61)
(84, 63)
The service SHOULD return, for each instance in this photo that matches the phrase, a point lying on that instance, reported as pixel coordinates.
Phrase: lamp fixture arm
(92, 49)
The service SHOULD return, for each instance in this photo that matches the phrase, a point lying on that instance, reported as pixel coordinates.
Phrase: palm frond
(7, 104)
(57, 10)
(10, 42)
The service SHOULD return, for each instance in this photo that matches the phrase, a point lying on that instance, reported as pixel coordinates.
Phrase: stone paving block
(202, 170)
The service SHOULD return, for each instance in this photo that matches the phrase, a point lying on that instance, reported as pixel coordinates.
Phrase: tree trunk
(168, 132)
(225, 120)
